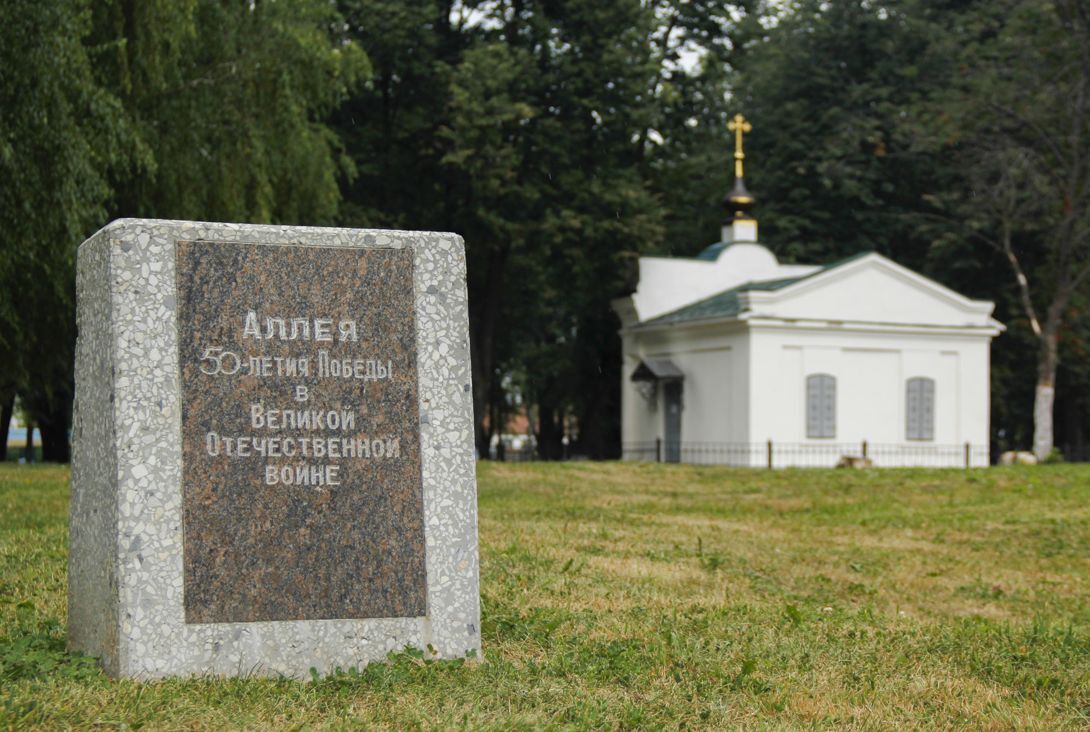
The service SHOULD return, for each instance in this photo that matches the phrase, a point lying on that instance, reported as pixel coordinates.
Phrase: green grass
(629, 595)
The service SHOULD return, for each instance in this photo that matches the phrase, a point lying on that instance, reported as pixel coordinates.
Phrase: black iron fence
(771, 454)
(1075, 453)
(798, 454)
(521, 455)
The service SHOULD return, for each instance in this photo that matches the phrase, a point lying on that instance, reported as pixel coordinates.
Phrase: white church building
(734, 358)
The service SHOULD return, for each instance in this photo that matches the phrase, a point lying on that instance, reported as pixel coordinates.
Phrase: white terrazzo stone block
(126, 566)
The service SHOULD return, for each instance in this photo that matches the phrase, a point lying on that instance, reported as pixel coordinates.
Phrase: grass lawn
(639, 595)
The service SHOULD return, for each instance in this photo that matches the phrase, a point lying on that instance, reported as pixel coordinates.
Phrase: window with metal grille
(920, 408)
(820, 405)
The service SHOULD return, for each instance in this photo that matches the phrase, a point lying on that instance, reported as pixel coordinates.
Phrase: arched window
(920, 408)
(820, 405)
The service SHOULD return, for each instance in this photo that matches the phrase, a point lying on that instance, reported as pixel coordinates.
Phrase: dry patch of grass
(653, 596)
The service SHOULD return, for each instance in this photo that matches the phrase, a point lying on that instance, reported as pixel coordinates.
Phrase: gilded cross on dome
(739, 125)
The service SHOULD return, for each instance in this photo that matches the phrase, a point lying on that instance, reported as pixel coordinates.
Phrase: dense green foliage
(197, 109)
(229, 100)
(1019, 133)
(529, 131)
(562, 140)
(565, 139)
(61, 135)
(621, 596)
(955, 138)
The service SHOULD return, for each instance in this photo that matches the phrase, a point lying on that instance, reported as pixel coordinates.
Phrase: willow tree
(61, 134)
(230, 101)
(193, 109)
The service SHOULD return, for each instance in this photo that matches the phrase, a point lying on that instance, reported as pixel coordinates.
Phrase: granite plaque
(273, 467)
(300, 433)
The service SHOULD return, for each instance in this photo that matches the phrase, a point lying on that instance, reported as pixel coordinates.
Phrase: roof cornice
(871, 259)
(753, 321)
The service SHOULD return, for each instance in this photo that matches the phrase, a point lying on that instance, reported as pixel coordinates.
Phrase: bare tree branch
(1020, 277)
(1080, 276)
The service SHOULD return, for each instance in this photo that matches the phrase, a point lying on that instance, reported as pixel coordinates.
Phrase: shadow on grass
(39, 654)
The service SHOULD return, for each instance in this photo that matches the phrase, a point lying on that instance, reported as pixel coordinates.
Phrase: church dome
(739, 201)
(740, 256)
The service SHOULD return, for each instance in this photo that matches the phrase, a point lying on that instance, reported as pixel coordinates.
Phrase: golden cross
(739, 126)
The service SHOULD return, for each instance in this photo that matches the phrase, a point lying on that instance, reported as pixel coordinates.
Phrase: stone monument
(273, 466)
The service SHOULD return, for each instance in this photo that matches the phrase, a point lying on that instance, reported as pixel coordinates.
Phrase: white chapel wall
(871, 370)
(715, 394)
(640, 419)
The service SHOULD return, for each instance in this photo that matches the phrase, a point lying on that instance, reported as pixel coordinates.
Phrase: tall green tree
(552, 224)
(700, 46)
(61, 136)
(1019, 129)
(195, 109)
(533, 129)
(833, 160)
(391, 127)
(230, 101)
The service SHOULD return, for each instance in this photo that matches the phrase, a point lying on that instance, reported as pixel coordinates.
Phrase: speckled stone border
(125, 562)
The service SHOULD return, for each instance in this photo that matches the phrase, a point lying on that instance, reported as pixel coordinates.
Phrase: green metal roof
(724, 305)
(727, 304)
(711, 252)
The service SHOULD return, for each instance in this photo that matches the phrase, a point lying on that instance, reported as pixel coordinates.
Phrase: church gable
(871, 289)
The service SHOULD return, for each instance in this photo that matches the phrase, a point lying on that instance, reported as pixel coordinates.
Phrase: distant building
(732, 357)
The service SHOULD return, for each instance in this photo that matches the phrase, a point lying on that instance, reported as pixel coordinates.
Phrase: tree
(553, 200)
(230, 101)
(539, 131)
(687, 148)
(1018, 123)
(488, 160)
(116, 109)
(834, 167)
(61, 136)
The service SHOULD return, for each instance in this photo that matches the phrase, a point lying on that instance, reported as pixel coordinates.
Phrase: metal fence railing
(524, 455)
(771, 454)
(1075, 453)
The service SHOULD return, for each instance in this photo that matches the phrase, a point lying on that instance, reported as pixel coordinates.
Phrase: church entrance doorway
(671, 397)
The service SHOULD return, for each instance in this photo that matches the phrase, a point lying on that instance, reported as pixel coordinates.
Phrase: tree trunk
(7, 409)
(599, 416)
(484, 350)
(1042, 419)
(550, 444)
(1045, 393)
(28, 451)
(55, 445)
